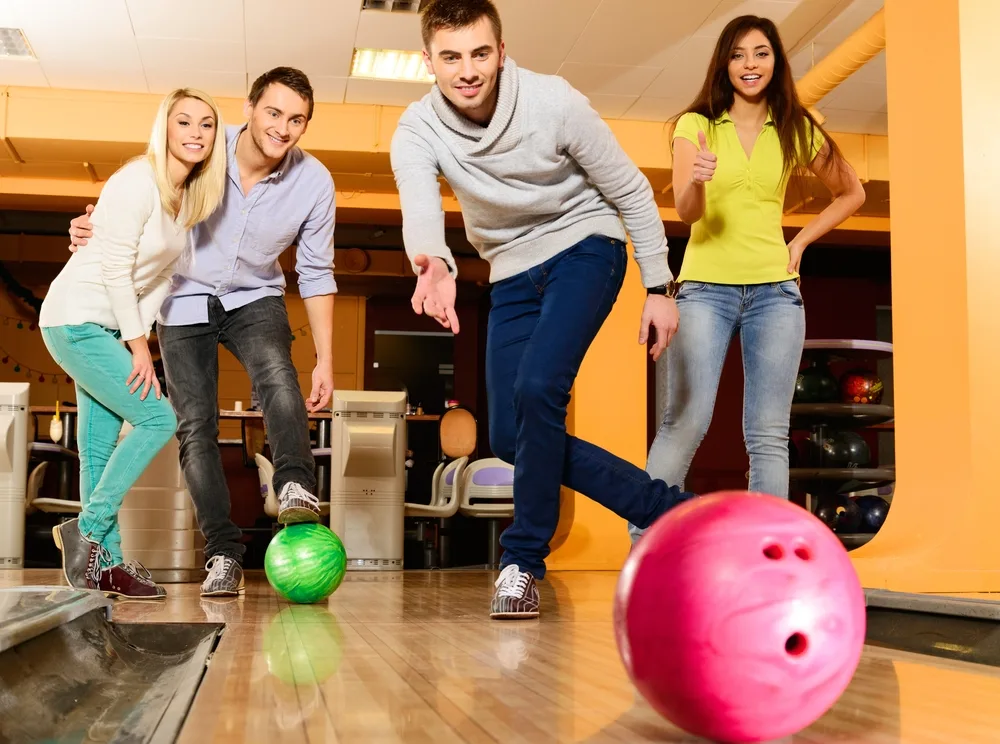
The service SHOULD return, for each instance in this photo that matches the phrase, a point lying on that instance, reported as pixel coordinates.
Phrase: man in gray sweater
(543, 185)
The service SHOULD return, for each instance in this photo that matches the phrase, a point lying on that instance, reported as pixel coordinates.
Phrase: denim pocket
(613, 241)
(53, 340)
(687, 288)
(622, 258)
(790, 291)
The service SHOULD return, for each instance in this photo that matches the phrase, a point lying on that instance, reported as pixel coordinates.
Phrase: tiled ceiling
(634, 59)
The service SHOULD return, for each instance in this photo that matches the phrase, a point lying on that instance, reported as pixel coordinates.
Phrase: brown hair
(290, 78)
(794, 124)
(438, 14)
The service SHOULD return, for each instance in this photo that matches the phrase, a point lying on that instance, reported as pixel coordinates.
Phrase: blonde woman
(112, 293)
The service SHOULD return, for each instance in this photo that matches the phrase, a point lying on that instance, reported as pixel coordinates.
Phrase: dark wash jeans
(541, 324)
(259, 336)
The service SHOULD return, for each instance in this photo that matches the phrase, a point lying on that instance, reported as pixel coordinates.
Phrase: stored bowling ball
(305, 563)
(816, 384)
(739, 617)
(840, 513)
(839, 449)
(861, 386)
(874, 510)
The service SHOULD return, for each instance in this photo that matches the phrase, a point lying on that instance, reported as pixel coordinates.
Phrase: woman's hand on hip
(795, 251)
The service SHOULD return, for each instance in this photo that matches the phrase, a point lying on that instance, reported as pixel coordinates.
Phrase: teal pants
(99, 364)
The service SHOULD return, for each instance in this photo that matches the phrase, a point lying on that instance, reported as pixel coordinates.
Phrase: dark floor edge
(176, 713)
(980, 609)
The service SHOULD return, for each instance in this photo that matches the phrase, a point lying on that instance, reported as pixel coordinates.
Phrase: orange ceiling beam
(48, 128)
(371, 201)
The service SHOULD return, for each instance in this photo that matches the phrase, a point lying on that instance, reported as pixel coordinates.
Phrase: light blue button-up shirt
(236, 249)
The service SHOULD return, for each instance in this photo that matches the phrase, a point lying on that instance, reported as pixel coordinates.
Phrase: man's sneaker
(296, 504)
(516, 596)
(225, 577)
(81, 558)
(130, 581)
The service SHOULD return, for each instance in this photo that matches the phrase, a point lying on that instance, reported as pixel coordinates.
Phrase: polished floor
(413, 657)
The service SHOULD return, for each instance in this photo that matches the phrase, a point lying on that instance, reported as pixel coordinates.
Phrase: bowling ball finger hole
(803, 553)
(796, 644)
(774, 552)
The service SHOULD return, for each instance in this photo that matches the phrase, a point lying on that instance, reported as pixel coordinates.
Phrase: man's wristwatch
(667, 290)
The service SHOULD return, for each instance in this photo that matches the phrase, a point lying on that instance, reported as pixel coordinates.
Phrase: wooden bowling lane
(413, 657)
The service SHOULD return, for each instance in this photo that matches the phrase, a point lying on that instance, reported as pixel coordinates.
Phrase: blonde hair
(203, 190)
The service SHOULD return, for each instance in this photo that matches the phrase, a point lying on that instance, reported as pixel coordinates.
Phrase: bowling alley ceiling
(635, 59)
(82, 103)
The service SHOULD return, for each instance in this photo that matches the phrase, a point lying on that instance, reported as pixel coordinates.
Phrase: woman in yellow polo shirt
(734, 150)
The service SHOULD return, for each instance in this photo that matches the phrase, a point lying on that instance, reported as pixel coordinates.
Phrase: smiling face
(190, 131)
(466, 63)
(751, 65)
(277, 121)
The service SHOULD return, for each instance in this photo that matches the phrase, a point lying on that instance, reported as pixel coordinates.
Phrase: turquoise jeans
(99, 364)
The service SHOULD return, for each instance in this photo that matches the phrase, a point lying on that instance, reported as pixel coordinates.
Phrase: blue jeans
(770, 319)
(99, 365)
(541, 324)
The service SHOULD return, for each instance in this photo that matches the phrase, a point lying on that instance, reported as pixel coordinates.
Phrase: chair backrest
(447, 481)
(458, 432)
(35, 480)
(488, 481)
(265, 471)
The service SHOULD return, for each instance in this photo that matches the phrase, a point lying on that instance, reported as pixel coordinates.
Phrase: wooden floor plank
(413, 658)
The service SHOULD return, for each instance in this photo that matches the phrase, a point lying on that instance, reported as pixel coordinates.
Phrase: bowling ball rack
(827, 483)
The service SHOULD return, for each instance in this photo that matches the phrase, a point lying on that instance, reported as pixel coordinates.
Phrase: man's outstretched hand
(80, 230)
(435, 292)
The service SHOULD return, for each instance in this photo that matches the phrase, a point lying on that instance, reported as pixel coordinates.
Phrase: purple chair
(488, 493)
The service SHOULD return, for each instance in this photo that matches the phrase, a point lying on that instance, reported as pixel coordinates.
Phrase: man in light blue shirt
(232, 292)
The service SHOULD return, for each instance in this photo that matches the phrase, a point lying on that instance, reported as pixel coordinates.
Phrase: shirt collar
(727, 118)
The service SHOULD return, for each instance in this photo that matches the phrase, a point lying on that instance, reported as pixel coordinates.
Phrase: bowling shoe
(516, 596)
(81, 558)
(225, 577)
(130, 581)
(297, 505)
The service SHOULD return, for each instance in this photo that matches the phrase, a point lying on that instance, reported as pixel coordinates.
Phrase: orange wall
(609, 410)
(940, 533)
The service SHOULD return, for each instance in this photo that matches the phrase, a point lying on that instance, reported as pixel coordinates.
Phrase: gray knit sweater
(546, 173)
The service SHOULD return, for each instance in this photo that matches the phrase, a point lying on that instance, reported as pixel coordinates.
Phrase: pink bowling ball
(739, 617)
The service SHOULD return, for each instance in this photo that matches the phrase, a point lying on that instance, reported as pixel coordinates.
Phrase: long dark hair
(794, 124)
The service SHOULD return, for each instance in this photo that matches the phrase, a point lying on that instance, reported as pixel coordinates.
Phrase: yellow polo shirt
(739, 240)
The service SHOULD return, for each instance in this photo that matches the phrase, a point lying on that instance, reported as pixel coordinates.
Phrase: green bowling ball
(305, 563)
(303, 645)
